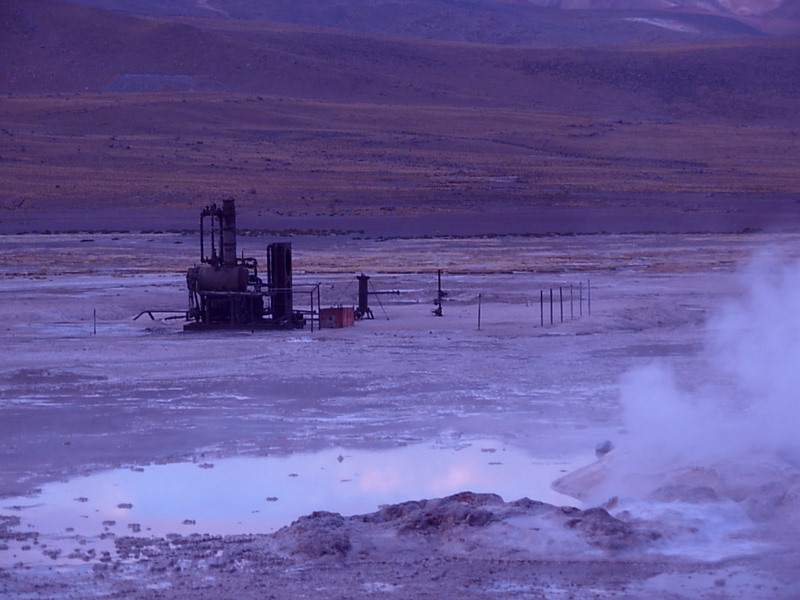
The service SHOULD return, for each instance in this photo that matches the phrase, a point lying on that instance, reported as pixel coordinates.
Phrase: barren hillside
(54, 47)
(534, 22)
(114, 111)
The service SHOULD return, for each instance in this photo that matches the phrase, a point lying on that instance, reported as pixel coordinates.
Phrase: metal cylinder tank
(279, 256)
(225, 279)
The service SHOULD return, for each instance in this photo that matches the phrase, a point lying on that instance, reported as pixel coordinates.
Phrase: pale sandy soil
(139, 394)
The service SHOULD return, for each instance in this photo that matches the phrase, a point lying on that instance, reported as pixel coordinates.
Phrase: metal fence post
(541, 307)
(571, 306)
(589, 294)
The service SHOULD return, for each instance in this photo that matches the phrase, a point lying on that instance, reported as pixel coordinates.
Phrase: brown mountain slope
(724, 7)
(122, 161)
(483, 21)
(54, 47)
(336, 127)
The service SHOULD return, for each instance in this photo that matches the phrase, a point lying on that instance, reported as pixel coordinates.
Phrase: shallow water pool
(262, 494)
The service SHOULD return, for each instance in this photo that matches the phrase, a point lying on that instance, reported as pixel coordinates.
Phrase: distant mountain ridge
(505, 22)
(51, 46)
(774, 16)
(743, 8)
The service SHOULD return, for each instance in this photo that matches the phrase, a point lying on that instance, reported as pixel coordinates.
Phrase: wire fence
(498, 297)
(558, 304)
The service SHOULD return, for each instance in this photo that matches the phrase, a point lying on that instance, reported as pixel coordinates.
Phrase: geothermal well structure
(226, 291)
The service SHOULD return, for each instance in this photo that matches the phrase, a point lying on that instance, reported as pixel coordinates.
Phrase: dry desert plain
(140, 461)
(408, 456)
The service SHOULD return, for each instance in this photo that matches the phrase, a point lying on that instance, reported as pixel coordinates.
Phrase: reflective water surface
(262, 494)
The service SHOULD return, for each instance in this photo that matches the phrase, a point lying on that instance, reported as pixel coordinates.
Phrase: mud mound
(467, 545)
(316, 535)
(433, 516)
(464, 526)
(463, 523)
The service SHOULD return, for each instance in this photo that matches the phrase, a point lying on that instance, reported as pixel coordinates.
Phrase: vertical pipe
(228, 233)
(212, 237)
(580, 298)
(561, 301)
(363, 295)
(479, 312)
(551, 306)
(202, 241)
(94, 319)
(221, 242)
(439, 295)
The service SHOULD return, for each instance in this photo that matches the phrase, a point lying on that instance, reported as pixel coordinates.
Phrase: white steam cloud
(729, 427)
(747, 401)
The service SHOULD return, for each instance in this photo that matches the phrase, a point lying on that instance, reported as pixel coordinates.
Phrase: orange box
(336, 317)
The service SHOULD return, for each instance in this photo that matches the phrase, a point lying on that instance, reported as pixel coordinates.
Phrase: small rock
(603, 448)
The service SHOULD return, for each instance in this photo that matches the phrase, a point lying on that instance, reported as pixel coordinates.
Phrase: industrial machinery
(363, 311)
(225, 291)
